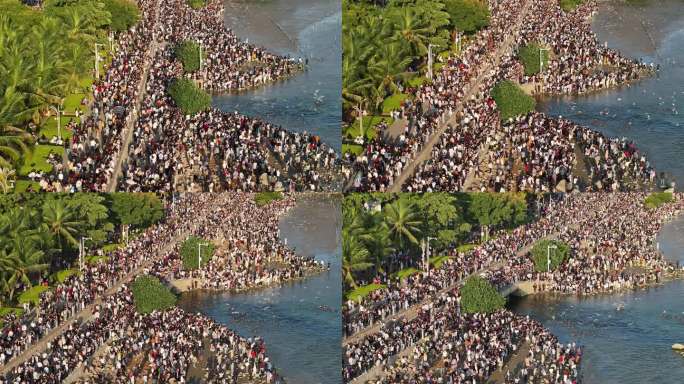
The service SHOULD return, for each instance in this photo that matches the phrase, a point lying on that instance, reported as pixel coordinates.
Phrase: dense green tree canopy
(138, 210)
(479, 296)
(190, 98)
(545, 251)
(151, 295)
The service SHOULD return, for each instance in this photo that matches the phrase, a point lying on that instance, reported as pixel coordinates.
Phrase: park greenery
(190, 252)
(511, 100)
(188, 96)
(479, 296)
(378, 225)
(531, 55)
(197, 4)
(47, 57)
(385, 45)
(188, 53)
(570, 5)
(544, 251)
(265, 198)
(656, 199)
(150, 295)
(40, 236)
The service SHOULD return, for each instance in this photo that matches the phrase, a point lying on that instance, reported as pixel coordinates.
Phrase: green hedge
(479, 296)
(62, 275)
(124, 14)
(656, 199)
(150, 294)
(189, 252)
(468, 16)
(188, 96)
(188, 53)
(529, 56)
(511, 100)
(558, 255)
(264, 198)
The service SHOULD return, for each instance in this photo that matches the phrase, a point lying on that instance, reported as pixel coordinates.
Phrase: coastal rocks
(678, 347)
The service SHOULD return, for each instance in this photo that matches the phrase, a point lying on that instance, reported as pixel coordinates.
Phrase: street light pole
(427, 254)
(430, 61)
(97, 61)
(81, 253)
(548, 256)
(59, 121)
(199, 254)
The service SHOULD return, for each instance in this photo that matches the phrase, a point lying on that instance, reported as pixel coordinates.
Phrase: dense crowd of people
(209, 151)
(606, 254)
(163, 345)
(475, 150)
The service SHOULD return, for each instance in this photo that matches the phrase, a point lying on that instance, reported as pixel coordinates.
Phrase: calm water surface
(650, 112)
(628, 346)
(311, 101)
(302, 340)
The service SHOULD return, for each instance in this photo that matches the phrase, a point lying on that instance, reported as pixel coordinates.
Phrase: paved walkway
(470, 90)
(127, 133)
(84, 315)
(499, 376)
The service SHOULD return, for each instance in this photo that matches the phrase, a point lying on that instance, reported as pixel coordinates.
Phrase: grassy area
(393, 102)
(62, 275)
(465, 247)
(363, 291)
(197, 4)
(96, 259)
(570, 5)
(657, 199)
(406, 272)
(352, 148)
(417, 81)
(369, 123)
(437, 261)
(23, 185)
(511, 100)
(38, 159)
(73, 102)
(4, 311)
(265, 198)
(112, 247)
(49, 128)
(32, 295)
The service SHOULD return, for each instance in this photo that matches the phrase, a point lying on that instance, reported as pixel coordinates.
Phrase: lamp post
(81, 253)
(541, 58)
(548, 256)
(97, 60)
(199, 254)
(430, 60)
(59, 121)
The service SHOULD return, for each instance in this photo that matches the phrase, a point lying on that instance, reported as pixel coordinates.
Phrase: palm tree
(354, 258)
(379, 245)
(388, 68)
(61, 222)
(403, 222)
(7, 175)
(27, 260)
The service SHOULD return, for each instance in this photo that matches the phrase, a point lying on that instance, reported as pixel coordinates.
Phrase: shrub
(529, 56)
(188, 53)
(62, 275)
(511, 100)
(558, 255)
(189, 252)
(124, 14)
(264, 198)
(197, 4)
(188, 96)
(656, 199)
(479, 296)
(150, 294)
